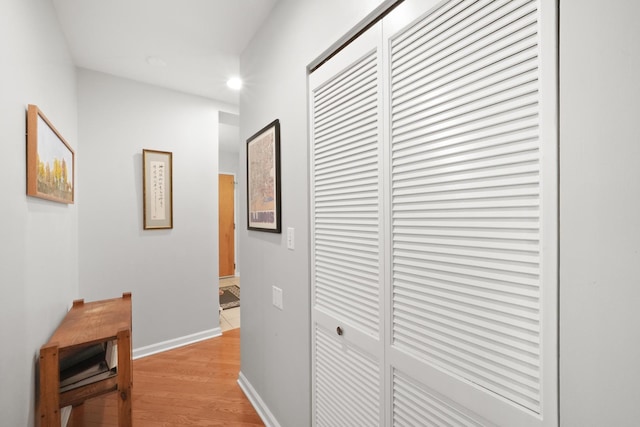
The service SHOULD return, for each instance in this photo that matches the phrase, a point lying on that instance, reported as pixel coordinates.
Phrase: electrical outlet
(277, 297)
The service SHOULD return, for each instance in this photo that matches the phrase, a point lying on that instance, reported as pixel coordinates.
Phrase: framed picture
(50, 160)
(157, 183)
(263, 179)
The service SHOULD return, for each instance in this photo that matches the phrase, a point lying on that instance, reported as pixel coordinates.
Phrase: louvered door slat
(345, 104)
(481, 123)
(348, 105)
(415, 404)
(449, 90)
(470, 253)
(343, 149)
(493, 25)
(518, 48)
(368, 183)
(453, 309)
(521, 176)
(352, 288)
(346, 384)
(518, 129)
(485, 263)
(347, 140)
(341, 166)
(466, 194)
(364, 271)
(410, 273)
(522, 98)
(340, 87)
(480, 29)
(349, 121)
(357, 105)
(478, 97)
(515, 364)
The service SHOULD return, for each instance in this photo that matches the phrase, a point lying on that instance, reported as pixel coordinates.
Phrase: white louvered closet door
(473, 222)
(347, 248)
(434, 228)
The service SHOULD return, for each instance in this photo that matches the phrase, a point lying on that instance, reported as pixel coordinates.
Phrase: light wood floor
(230, 318)
(194, 385)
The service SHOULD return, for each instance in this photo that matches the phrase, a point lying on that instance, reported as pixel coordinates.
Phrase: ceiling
(192, 46)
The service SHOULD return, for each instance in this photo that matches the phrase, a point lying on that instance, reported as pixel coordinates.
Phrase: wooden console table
(85, 324)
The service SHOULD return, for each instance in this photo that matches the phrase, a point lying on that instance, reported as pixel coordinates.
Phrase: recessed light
(234, 83)
(156, 61)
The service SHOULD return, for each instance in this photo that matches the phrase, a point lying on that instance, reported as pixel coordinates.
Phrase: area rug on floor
(230, 297)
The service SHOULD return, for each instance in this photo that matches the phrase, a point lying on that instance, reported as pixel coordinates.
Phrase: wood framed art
(263, 179)
(157, 184)
(50, 160)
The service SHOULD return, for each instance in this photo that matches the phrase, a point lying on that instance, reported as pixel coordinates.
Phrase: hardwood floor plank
(195, 385)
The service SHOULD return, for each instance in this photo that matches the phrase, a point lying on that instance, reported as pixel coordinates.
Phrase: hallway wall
(172, 274)
(228, 162)
(276, 343)
(39, 239)
(599, 213)
(599, 209)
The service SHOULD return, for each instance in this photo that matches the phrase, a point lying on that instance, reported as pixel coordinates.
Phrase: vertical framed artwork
(50, 160)
(157, 177)
(263, 179)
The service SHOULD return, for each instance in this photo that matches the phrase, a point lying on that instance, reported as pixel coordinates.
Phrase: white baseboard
(175, 343)
(267, 417)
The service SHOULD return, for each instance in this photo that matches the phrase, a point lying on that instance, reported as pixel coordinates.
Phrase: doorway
(226, 225)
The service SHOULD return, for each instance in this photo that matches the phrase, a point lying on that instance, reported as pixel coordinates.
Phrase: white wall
(38, 238)
(599, 213)
(228, 162)
(172, 274)
(276, 344)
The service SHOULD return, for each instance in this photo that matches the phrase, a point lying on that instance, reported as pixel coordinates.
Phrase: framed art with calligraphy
(263, 179)
(50, 160)
(157, 171)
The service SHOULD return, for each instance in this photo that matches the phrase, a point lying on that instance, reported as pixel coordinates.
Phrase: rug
(230, 297)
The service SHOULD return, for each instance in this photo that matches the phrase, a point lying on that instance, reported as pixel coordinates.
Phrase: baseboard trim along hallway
(258, 404)
(175, 343)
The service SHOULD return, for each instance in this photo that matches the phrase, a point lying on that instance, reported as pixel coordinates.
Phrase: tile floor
(230, 318)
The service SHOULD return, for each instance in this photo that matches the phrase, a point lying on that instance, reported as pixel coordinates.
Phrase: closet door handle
(339, 330)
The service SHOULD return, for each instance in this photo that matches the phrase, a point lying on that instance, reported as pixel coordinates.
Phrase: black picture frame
(263, 180)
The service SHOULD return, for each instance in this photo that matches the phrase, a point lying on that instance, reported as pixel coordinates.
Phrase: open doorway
(229, 272)
(226, 225)
(229, 283)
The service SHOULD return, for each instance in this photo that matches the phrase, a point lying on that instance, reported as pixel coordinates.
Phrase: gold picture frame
(50, 160)
(157, 177)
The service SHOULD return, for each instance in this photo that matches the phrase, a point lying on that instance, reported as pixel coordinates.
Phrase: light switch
(277, 297)
(290, 238)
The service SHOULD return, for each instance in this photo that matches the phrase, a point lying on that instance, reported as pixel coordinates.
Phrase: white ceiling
(200, 41)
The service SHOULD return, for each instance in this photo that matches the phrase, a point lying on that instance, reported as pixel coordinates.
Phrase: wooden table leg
(49, 384)
(124, 378)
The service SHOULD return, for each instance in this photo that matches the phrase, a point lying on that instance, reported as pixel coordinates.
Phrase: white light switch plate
(291, 244)
(277, 297)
